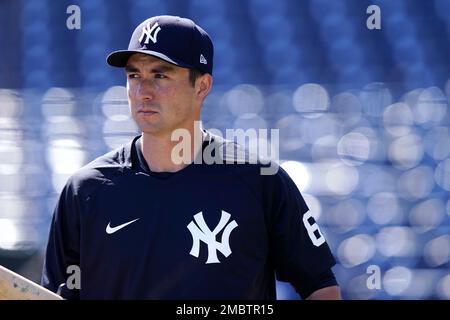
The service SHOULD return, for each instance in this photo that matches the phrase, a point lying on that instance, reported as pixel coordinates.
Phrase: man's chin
(154, 131)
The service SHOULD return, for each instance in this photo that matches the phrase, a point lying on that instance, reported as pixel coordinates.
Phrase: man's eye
(160, 76)
(133, 75)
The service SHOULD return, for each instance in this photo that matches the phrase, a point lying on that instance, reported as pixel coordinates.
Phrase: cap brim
(120, 58)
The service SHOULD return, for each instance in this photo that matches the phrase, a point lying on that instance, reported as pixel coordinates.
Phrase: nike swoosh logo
(110, 230)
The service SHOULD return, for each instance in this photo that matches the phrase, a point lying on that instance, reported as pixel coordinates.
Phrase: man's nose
(145, 90)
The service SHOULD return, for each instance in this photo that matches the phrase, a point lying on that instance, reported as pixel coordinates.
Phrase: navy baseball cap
(174, 39)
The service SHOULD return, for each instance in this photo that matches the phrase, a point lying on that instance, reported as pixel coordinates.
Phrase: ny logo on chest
(201, 232)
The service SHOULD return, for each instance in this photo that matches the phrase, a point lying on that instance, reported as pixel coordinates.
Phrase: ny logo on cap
(150, 33)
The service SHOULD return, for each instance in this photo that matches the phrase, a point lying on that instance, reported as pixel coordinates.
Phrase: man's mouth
(147, 112)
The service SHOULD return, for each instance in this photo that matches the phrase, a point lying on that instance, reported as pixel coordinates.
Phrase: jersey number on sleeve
(311, 228)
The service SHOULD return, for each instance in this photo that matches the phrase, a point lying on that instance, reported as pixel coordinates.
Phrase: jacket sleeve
(298, 249)
(63, 247)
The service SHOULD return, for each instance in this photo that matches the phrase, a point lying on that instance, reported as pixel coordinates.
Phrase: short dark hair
(194, 74)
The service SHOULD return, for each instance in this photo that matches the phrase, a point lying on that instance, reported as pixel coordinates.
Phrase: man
(143, 225)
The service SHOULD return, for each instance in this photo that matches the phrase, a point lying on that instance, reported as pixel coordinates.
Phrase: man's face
(160, 96)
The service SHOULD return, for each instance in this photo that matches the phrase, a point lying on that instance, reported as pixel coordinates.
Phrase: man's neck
(160, 155)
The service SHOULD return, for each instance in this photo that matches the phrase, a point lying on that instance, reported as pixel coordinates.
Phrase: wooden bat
(15, 287)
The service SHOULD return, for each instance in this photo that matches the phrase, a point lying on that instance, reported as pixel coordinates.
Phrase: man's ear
(203, 85)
